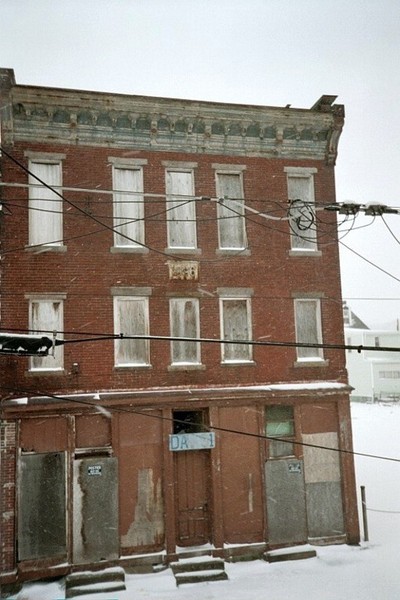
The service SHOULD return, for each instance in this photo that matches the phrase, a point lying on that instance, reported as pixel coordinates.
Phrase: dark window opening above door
(188, 421)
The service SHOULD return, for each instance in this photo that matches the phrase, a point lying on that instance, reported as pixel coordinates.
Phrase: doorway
(95, 501)
(192, 484)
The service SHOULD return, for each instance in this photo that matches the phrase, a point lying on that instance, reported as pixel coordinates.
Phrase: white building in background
(374, 374)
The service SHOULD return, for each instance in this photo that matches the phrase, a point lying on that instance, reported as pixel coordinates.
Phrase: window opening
(46, 207)
(188, 421)
(308, 329)
(280, 425)
(231, 222)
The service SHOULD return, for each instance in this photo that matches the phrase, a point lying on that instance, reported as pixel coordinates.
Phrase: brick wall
(88, 271)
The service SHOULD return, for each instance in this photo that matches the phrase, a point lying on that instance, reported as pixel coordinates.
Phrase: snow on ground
(365, 572)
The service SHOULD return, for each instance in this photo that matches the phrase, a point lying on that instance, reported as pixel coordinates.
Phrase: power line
(86, 213)
(96, 337)
(369, 261)
(95, 219)
(207, 427)
(373, 211)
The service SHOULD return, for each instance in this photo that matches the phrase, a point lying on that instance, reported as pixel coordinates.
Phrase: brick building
(168, 221)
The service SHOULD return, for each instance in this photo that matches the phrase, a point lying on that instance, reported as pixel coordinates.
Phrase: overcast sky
(268, 52)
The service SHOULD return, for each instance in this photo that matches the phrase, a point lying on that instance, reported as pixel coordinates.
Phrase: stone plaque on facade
(183, 269)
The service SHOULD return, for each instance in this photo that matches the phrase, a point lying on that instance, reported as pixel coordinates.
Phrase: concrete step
(200, 564)
(200, 576)
(292, 553)
(95, 582)
(199, 569)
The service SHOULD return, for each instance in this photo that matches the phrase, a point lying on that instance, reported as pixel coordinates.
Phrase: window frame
(134, 225)
(141, 298)
(288, 440)
(237, 207)
(173, 206)
(298, 244)
(40, 364)
(301, 352)
(51, 214)
(175, 345)
(229, 296)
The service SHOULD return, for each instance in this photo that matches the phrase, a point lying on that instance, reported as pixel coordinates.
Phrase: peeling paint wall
(141, 492)
(41, 492)
(242, 507)
(95, 491)
(323, 486)
(148, 524)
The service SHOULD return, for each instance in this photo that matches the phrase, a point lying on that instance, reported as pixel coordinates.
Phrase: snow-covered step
(292, 553)
(199, 569)
(95, 582)
(200, 576)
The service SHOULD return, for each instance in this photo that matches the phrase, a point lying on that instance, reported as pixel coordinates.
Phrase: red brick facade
(88, 273)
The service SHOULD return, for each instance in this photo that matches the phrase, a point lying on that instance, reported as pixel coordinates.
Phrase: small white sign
(294, 467)
(94, 470)
(192, 441)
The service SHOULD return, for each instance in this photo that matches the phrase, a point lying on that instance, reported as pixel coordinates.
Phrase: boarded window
(45, 317)
(184, 316)
(308, 328)
(302, 212)
(44, 434)
(128, 207)
(280, 425)
(92, 431)
(236, 325)
(181, 209)
(45, 207)
(131, 317)
(41, 506)
(231, 221)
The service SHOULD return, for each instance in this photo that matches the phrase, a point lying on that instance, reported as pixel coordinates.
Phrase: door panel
(286, 502)
(191, 493)
(41, 506)
(95, 509)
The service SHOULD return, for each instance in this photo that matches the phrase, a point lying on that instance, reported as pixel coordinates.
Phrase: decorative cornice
(39, 114)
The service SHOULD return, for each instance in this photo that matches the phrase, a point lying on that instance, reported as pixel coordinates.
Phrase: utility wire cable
(108, 227)
(96, 337)
(369, 261)
(146, 413)
(390, 230)
(78, 208)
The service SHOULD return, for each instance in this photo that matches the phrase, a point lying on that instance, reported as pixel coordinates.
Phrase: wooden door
(192, 497)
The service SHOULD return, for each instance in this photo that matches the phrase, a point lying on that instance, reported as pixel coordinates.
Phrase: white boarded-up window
(128, 207)
(45, 207)
(181, 209)
(308, 328)
(45, 317)
(236, 326)
(302, 217)
(231, 220)
(131, 317)
(185, 323)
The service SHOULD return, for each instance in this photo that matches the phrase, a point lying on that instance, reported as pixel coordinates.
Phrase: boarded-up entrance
(191, 497)
(41, 506)
(286, 502)
(95, 509)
